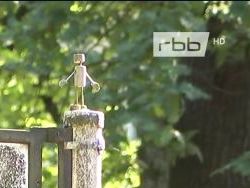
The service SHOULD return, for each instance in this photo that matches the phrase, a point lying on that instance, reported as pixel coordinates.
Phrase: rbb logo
(180, 44)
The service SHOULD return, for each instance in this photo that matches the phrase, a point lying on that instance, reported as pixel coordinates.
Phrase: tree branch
(51, 107)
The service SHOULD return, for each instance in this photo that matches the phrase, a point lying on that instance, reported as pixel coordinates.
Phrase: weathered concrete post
(86, 147)
(87, 127)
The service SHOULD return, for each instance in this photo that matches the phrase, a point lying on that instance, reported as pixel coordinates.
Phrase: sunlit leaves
(50, 170)
(126, 155)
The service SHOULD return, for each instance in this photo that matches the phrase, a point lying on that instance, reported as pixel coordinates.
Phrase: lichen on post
(86, 147)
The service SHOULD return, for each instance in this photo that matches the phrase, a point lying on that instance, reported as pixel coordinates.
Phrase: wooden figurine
(80, 78)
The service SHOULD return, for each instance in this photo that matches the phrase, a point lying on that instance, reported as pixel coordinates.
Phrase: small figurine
(80, 77)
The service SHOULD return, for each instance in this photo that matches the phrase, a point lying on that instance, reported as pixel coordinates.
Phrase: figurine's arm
(64, 81)
(95, 85)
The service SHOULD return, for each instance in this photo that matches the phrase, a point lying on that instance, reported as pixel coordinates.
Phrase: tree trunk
(223, 125)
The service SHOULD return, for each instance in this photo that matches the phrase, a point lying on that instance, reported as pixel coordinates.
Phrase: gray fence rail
(35, 138)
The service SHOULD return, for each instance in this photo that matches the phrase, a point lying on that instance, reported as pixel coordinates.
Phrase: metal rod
(65, 162)
(35, 165)
(38, 137)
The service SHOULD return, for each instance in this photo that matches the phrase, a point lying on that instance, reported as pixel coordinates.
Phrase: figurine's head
(79, 58)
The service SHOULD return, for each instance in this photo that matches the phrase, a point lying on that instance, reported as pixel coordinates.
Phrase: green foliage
(50, 170)
(239, 165)
(127, 172)
(37, 43)
(234, 18)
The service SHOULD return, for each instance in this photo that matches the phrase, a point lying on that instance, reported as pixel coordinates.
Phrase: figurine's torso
(80, 76)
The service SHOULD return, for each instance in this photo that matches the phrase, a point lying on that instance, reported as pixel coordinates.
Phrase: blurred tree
(223, 121)
(143, 97)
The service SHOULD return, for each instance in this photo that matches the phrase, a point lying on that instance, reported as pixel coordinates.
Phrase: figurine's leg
(76, 105)
(76, 89)
(82, 96)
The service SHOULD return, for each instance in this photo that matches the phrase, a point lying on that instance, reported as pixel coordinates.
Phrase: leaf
(238, 165)
(191, 92)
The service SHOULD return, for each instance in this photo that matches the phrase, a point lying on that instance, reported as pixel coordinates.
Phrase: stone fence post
(87, 145)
